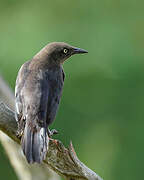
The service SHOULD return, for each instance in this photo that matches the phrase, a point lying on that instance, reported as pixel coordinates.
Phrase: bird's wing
(31, 96)
(35, 99)
(20, 81)
(41, 97)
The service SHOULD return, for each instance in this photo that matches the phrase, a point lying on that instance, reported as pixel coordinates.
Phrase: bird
(38, 91)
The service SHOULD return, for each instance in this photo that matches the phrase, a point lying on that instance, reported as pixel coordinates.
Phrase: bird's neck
(43, 62)
(41, 54)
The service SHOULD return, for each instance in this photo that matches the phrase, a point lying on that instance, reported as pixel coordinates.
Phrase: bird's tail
(35, 144)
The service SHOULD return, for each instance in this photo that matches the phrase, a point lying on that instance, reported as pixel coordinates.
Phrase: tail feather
(35, 144)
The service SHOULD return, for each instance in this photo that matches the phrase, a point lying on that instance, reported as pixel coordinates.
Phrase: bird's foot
(52, 132)
(19, 134)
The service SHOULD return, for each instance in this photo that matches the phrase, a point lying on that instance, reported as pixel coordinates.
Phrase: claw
(19, 134)
(52, 132)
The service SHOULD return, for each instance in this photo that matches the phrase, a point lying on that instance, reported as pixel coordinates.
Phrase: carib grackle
(38, 91)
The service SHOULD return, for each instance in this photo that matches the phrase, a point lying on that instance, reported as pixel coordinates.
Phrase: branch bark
(60, 159)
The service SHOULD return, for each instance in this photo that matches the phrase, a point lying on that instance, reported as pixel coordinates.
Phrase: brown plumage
(38, 91)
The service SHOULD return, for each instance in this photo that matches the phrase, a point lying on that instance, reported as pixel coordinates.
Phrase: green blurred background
(102, 105)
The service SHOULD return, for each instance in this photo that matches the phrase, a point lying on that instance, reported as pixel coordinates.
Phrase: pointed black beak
(79, 51)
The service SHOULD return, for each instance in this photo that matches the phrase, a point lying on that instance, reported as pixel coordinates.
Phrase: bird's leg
(51, 132)
(21, 125)
(20, 132)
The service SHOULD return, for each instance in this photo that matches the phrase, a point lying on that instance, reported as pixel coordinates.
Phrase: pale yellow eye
(65, 51)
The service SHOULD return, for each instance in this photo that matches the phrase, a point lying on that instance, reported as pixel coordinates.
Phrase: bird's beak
(79, 51)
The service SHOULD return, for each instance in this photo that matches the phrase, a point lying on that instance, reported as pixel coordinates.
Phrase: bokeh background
(102, 107)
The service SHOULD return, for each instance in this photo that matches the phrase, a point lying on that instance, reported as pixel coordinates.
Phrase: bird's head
(58, 52)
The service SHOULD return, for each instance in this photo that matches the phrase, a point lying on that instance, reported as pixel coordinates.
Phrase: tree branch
(60, 159)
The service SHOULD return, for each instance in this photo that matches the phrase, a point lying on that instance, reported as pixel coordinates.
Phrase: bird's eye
(65, 51)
